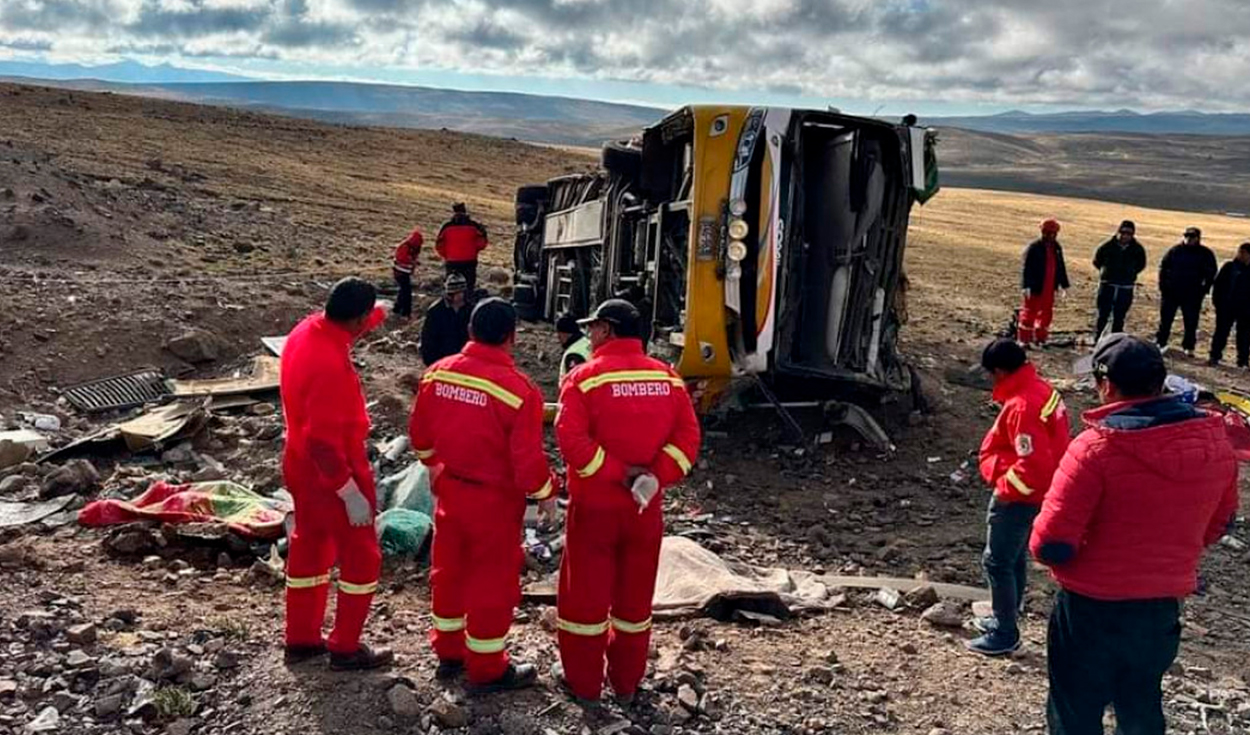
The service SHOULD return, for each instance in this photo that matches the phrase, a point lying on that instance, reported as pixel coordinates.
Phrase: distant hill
(125, 72)
(1185, 122)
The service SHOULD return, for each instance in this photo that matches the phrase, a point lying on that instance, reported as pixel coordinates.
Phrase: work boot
(994, 643)
(294, 655)
(362, 659)
(557, 675)
(985, 624)
(448, 670)
(516, 676)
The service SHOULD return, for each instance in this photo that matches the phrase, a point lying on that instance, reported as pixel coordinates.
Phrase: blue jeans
(1006, 559)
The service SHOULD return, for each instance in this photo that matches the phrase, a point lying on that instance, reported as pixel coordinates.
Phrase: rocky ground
(124, 224)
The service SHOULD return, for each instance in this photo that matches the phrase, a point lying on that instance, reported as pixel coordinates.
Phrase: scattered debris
(78, 477)
(118, 392)
(263, 378)
(20, 514)
(943, 615)
(888, 598)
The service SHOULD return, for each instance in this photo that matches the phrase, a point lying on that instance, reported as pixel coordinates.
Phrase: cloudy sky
(930, 56)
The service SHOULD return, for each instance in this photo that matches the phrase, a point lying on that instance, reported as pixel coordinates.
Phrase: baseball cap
(619, 313)
(567, 324)
(455, 283)
(1193, 231)
(1134, 365)
(1129, 225)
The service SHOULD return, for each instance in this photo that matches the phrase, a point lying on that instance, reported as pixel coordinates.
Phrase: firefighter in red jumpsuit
(405, 263)
(627, 429)
(1044, 274)
(478, 424)
(327, 472)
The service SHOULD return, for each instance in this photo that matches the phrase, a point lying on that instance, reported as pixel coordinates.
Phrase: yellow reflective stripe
(358, 589)
(544, 492)
(625, 626)
(509, 398)
(594, 464)
(1017, 483)
(491, 645)
(1052, 405)
(625, 376)
(679, 457)
(590, 630)
(448, 625)
(425, 453)
(300, 583)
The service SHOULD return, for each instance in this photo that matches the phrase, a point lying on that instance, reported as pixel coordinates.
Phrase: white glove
(359, 513)
(644, 489)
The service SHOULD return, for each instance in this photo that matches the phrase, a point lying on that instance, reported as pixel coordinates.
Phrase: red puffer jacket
(460, 240)
(1137, 497)
(1020, 453)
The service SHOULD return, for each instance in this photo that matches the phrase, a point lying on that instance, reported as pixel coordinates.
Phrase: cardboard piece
(264, 378)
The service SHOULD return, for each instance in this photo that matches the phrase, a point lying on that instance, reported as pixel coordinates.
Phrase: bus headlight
(738, 207)
(738, 229)
(737, 251)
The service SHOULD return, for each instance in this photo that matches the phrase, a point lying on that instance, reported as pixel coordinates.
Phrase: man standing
(1185, 276)
(627, 429)
(1231, 297)
(459, 242)
(1044, 274)
(1018, 459)
(478, 424)
(327, 472)
(1119, 261)
(575, 344)
(1140, 493)
(405, 261)
(446, 327)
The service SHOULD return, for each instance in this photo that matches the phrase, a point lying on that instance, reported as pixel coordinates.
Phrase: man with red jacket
(478, 424)
(405, 262)
(1140, 493)
(1044, 274)
(627, 429)
(459, 242)
(327, 472)
(1018, 458)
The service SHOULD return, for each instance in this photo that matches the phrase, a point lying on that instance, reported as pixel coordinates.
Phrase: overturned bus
(763, 246)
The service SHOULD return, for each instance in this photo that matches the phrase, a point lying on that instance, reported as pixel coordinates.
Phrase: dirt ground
(125, 222)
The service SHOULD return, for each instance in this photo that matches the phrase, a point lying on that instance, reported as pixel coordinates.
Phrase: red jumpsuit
(478, 423)
(621, 409)
(326, 429)
(1039, 308)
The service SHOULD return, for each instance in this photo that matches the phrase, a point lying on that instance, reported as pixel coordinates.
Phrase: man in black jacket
(446, 328)
(1119, 261)
(1043, 275)
(1231, 298)
(1185, 277)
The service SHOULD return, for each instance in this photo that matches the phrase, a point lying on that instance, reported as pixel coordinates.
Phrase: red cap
(1050, 225)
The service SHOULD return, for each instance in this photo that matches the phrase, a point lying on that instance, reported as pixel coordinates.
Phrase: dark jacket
(1187, 271)
(1120, 265)
(1232, 288)
(1137, 497)
(444, 332)
(1034, 276)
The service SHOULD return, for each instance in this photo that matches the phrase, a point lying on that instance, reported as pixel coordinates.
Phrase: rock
(47, 721)
(822, 675)
(449, 714)
(888, 598)
(1015, 669)
(909, 649)
(83, 635)
(64, 701)
(264, 409)
(12, 484)
(194, 346)
(939, 731)
(8, 688)
(943, 615)
(404, 702)
(106, 708)
(226, 660)
(688, 698)
(12, 453)
(202, 682)
(78, 659)
(168, 665)
(181, 726)
(133, 540)
(1196, 672)
(128, 616)
(77, 477)
(922, 597)
(210, 470)
(243, 248)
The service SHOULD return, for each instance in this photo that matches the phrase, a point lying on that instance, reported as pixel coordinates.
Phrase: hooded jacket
(1137, 497)
(1033, 277)
(1120, 265)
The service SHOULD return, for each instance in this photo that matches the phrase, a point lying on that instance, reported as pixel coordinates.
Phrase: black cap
(1193, 231)
(1003, 354)
(567, 324)
(1128, 225)
(621, 314)
(459, 208)
(1133, 365)
(493, 321)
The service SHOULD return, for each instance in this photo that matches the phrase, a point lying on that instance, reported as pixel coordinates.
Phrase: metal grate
(122, 391)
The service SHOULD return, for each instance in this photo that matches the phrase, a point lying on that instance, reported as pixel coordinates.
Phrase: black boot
(293, 655)
(516, 676)
(362, 659)
(448, 670)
